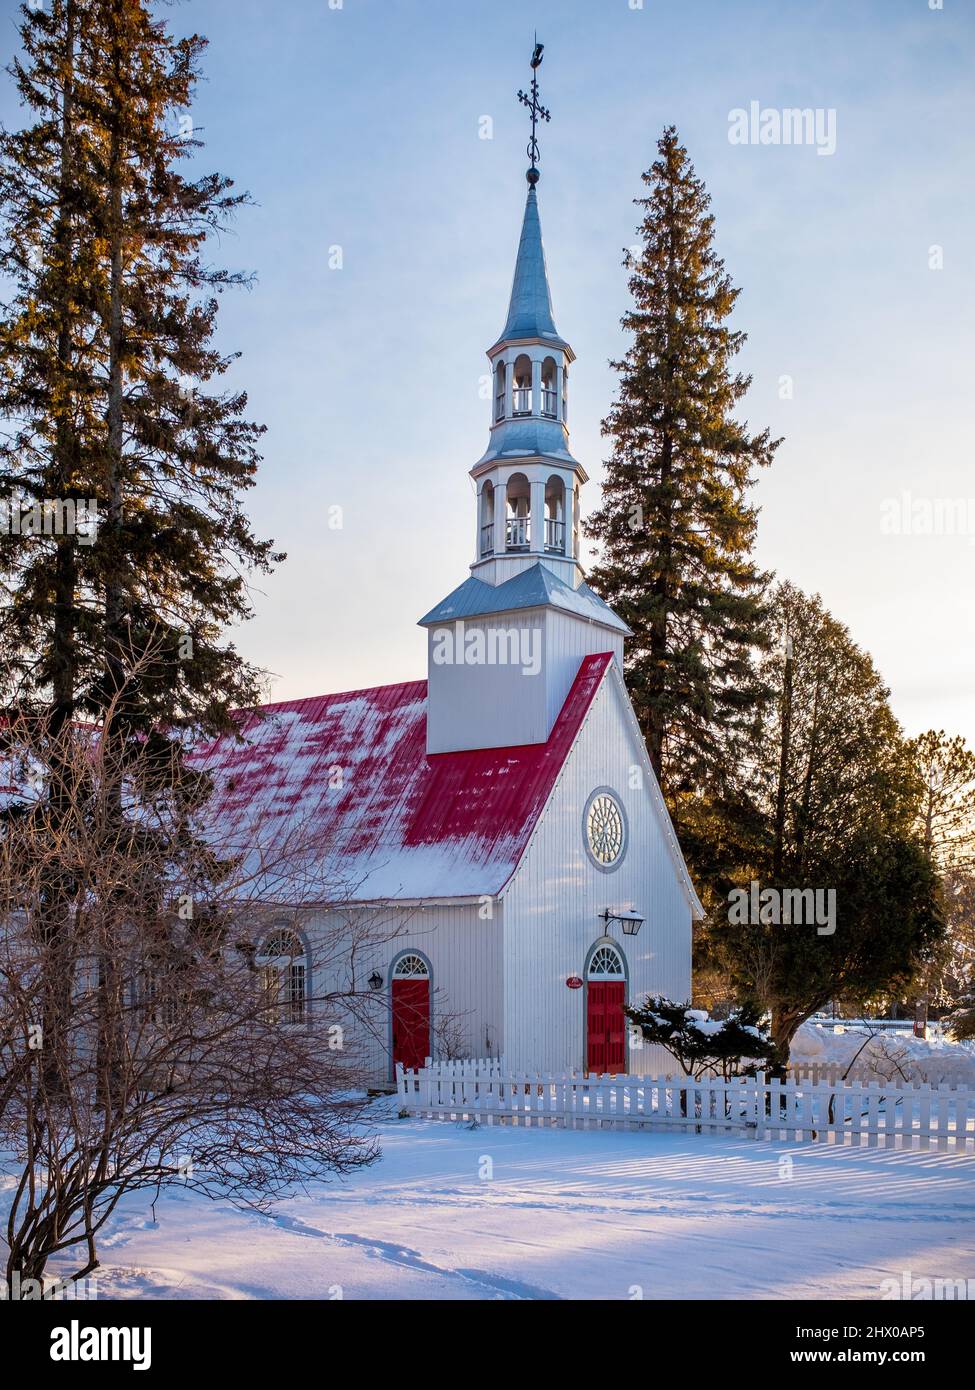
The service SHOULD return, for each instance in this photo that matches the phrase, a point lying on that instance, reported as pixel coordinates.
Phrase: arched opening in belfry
(555, 515)
(565, 393)
(521, 390)
(518, 528)
(499, 382)
(550, 397)
(487, 519)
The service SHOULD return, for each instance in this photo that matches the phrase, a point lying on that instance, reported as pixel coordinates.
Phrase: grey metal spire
(530, 307)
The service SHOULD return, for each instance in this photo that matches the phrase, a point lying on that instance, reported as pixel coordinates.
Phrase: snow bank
(886, 1056)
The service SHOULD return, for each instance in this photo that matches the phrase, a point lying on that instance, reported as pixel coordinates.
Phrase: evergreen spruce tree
(49, 258)
(110, 393)
(52, 421)
(675, 526)
(108, 251)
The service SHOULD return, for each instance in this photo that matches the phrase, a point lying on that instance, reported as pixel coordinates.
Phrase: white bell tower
(505, 646)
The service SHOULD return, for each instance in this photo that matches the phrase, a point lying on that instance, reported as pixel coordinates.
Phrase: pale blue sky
(358, 126)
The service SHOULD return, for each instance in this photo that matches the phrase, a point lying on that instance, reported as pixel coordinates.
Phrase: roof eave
(527, 608)
(527, 340)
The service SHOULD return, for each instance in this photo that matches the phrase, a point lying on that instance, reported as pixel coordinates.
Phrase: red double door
(411, 1022)
(606, 1026)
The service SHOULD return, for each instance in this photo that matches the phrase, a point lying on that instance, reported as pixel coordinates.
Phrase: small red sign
(574, 982)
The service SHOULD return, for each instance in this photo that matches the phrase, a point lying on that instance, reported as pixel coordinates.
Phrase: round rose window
(605, 829)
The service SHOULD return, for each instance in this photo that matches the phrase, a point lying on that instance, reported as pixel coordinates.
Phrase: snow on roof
(384, 819)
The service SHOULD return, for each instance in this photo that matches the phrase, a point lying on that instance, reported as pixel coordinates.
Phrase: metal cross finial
(538, 112)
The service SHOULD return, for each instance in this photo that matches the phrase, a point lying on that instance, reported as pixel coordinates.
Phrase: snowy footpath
(454, 1213)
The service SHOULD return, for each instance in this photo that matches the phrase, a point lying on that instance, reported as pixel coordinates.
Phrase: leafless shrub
(156, 1025)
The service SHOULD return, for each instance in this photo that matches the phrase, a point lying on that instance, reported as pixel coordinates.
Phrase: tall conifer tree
(675, 525)
(50, 415)
(108, 254)
(110, 393)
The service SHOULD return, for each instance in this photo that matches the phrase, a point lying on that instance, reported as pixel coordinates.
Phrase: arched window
(518, 528)
(521, 393)
(156, 994)
(499, 377)
(411, 967)
(283, 976)
(565, 393)
(550, 397)
(606, 963)
(487, 520)
(555, 515)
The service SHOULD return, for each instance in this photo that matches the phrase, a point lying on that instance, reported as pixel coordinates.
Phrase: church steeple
(527, 480)
(526, 593)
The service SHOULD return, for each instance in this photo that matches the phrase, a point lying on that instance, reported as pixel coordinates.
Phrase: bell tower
(505, 646)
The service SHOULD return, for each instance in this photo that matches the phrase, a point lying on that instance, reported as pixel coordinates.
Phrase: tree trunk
(656, 717)
(785, 1024)
(656, 720)
(114, 598)
(780, 800)
(53, 923)
(802, 817)
(110, 985)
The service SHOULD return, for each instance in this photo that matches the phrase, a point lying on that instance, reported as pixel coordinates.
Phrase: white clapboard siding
(464, 952)
(552, 905)
(567, 641)
(496, 705)
(863, 1114)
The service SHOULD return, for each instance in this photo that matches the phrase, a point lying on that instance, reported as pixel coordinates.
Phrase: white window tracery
(606, 964)
(411, 967)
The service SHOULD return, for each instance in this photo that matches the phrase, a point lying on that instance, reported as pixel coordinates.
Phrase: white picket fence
(868, 1114)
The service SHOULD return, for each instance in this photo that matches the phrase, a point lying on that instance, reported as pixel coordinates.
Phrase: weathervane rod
(538, 112)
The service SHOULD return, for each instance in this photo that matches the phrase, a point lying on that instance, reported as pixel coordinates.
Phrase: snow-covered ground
(454, 1213)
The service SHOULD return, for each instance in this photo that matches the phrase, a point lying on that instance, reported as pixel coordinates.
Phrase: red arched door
(411, 1012)
(605, 1020)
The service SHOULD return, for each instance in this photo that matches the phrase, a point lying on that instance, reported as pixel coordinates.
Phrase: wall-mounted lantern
(629, 920)
(375, 980)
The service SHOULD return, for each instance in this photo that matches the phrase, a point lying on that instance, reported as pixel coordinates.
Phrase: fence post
(759, 1085)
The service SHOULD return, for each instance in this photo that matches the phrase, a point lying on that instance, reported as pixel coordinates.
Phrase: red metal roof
(348, 776)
